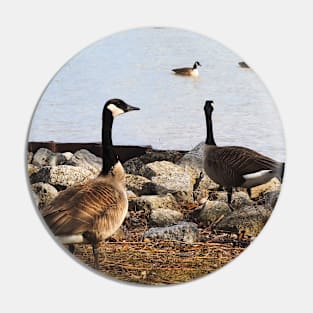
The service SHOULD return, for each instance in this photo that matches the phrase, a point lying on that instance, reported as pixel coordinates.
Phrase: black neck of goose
(209, 128)
(107, 146)
(194, 66)
(107, 122)
(109, 160)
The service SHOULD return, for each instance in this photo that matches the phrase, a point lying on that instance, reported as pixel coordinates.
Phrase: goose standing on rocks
(233, 166)
(93, 211)
(188, 71)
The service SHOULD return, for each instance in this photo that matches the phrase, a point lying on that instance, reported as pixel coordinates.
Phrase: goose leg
(71, 248)
(229, 196)
(249, 192)
(95, 255)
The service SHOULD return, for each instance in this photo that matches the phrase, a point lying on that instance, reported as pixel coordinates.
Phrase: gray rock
(240, 199)
(45, 157)
(84, 158)
(45, 193)
(251, 220)
(61, 175)
(167, 155)
(184, 231)
(140, 185)
(165, 217)
(68, 155)
(31, 169)
(134, 166)
(194, 158)
(170, 178)
(202, 189)
(152, 202)
(270, 199)
(29, 157)
(213, 211)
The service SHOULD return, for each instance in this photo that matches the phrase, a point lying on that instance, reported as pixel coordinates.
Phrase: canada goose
(243, 64)
(233, 166)
(188, 71)
(93, 211)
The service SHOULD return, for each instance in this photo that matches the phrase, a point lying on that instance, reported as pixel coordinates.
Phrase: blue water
(136, 67)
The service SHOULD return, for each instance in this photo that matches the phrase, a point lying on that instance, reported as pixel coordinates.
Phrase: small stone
(167, 155)
(184, 231)
(202, 190)
(152, 202)
(165, 217)
(213, 211)
(240, 199)
(61, 175)
(45, 193)
(272, 185)
(32, 169)
(45, 157)
(67, 155)
(29, 157)
(85, 159)
(140, 185)
(134, 166)
(270, 199)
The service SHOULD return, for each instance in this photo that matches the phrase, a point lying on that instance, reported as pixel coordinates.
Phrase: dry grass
(159, 263)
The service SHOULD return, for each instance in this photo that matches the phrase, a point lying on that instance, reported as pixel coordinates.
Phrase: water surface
(136, 67)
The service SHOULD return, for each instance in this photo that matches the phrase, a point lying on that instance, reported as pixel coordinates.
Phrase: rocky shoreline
(170, 196)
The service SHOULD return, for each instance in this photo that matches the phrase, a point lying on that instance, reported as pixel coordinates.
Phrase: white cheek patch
(115, 110)
(256, 174)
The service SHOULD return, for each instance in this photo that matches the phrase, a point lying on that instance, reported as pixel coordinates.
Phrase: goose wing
(245, 161)
(77, 208)
(182, 70)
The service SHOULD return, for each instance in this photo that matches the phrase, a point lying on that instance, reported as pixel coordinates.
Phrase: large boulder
(45, 193)
(45, 157)
(170, 178)
(249, 220)
(184, 231)
(61, 175)
(85, 159)
(165, 217)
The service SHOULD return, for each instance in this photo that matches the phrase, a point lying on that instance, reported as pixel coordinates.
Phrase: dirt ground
(163, 262)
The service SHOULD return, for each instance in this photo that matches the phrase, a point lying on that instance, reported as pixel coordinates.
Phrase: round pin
(155, 156)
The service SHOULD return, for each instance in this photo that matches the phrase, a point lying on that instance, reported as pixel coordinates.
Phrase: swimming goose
(233, 166)
(93, 211)
(188, 71)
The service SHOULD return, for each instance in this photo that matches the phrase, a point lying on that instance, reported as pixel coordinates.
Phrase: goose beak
(131, 108)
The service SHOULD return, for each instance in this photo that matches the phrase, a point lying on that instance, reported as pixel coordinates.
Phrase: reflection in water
(136, 66)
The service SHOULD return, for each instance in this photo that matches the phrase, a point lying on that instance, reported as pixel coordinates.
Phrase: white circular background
(273, 38)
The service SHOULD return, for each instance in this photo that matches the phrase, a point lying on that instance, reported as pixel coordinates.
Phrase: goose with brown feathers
(188, 71)
(233, 166)
(93, 211)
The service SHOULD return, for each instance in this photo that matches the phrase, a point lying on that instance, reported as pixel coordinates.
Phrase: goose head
(196, 64)
(118, 106)
(208, 107)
